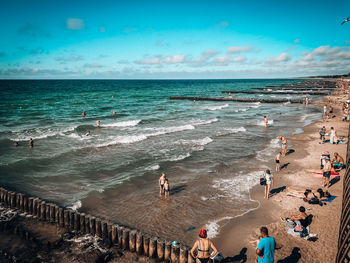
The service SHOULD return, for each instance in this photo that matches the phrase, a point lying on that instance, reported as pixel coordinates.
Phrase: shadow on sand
(293, 257)
(241, 257)
(277, 190)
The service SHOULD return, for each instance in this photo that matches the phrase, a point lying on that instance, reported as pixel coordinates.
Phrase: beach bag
(217, 258)
(262, 181)
(290, 223)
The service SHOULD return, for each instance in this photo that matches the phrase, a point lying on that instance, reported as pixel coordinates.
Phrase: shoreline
(238, 236)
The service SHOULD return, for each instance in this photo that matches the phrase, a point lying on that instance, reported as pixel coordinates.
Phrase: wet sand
(238, 237)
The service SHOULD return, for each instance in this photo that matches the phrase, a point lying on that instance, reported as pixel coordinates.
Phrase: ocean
(212, 152)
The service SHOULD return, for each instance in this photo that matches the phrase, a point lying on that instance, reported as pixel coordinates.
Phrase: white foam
(122, 140)
(39, 133)
(262, 123)
(269, 150)
(153, 167)
(269, 89)
(179, 157)
(122, 124)
(286, 103)
(204, 122)
(214, 108)
(203, 141)
(166, 130)
(255, 105)
(228, 131)
(213, 226)
(76, 205)
(241, 110)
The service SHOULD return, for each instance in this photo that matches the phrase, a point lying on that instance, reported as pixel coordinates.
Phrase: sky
(218, 39)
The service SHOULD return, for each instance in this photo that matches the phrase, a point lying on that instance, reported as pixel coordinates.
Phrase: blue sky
(173, 39)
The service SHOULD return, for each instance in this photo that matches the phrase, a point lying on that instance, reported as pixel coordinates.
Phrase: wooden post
(167, 251)
(61, 216)
(36, 207)
(18, 199)
(20, 202)
(30, 205)
(125, 239)
(77, 221)
(13, 200)
(109, 232)
(160, 249)
(139, 243)
(146, 244)
(87, 224)
(104, 230)
(25, 204)
(82, 223)
(183, 254)
(152, 247)
(47, 212)
(1, 194)
(57, 215)
(52, 213)
(42, 210)
(66, 219)
(132, 240)
(120, 235)
(98, 227)
(93, 225)
(4, 199)
(71, 219)
(175, 254)
(114, 237)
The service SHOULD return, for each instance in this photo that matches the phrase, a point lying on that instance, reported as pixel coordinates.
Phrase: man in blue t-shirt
(266, 247)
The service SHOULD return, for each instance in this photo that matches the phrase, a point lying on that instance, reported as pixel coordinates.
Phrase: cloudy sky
(173, 39)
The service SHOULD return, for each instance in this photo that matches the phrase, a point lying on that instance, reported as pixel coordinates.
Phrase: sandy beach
(306, 154)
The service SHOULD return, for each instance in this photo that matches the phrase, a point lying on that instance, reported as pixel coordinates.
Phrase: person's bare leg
(268, 191)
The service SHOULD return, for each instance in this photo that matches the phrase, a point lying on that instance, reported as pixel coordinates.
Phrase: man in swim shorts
(31, 143)
(326, 174)
(277, 160)
(161, 183)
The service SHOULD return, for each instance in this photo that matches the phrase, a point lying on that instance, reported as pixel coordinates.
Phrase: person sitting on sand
(277, 160)
(284, 145)
(269, 183)
(161, 183)
(301, 217)
(203, 245)
(338, 161)
(266, 248)
(166, 188)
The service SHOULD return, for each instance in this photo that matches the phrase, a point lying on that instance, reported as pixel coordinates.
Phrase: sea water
(212, 152)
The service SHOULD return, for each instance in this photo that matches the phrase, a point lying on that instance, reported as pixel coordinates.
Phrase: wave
(231, 131)
(123, 124)
(269, 150)
(76, 205)
(241, 110)
(262, 123)
(123, 140)
(204, 122)
(179, 157)
(203, 141)
(214, 108)
(255, 105)
(166, 130)
(39, 133)
(153, 167)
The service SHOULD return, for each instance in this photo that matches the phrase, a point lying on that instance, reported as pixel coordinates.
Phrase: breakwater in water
(120, 235)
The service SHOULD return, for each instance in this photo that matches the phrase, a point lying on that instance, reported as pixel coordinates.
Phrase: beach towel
(332, 173)
(330, 199)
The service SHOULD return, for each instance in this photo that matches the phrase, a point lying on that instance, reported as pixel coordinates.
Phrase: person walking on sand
(266, 248)
(323, 134)
(166, 188)
(277, 160)
(269, 183)
(284, 145)
(265, 121)
(327, 168)
(161, 183)
(333, 136)
(203, 245)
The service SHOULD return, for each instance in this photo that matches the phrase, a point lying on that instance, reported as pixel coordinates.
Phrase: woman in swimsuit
(308, 193)
(203, 245)
(269, 183)
(284, 144)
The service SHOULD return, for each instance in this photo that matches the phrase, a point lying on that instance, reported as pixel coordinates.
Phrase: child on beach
(166, 188)
(277, 160)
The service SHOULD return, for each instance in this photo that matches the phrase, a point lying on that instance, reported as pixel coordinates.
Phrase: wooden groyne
(239, 99)
(299, 89)
(278, 92)
(122, 236)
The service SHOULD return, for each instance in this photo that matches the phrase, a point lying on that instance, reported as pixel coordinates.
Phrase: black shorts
(277, 161)
(327, 174)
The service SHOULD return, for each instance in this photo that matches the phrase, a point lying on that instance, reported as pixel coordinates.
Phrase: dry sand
(238, 238)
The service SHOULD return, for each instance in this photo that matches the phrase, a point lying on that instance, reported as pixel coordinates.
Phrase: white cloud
(283, 57)
(93, 65)
(70, 59)
(222, 60)
(296, 41)
(149, 61)
(174, 59)
(239, 59)
(239, 49)
(75, 23)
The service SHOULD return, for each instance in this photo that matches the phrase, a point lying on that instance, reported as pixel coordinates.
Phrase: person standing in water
(98, 123)
(277, 160)
(265, 121)
(161, 183)
(114, 113)
(83, 114)
(284, 145)
(31, 143)
(203, 245)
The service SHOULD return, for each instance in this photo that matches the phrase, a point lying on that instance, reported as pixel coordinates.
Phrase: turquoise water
(212, 152)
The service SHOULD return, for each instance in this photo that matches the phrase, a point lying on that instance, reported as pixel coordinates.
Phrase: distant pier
(277, 92)
(239, 99)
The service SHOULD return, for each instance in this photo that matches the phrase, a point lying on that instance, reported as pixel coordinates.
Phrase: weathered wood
(183, 254)
(160, 249)
(132, 240)
(120, 235)
(167, 251)
(66, 219)
(248, 100)
(77, 221)
(93, 225)
(30, 205)
(152, 247)
(175, 254)
(13, 200)
(277, 92)
(87, 223)
(35, 206)
(47, 212)
(82, 223)
(98, 227)
(18, 200)
(43, 210)
(61, 216)
(114, 237)
(52, 213)
(71, 219)
(125, 239)
(139, 243)
(104, 230)
(146, 239)
(25, 204)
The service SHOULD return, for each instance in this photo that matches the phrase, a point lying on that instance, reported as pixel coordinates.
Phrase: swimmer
(98, 123)
(194, 101)
(114, 113)
(166, 188)
(87, 134)
(277, 160)
(284, 144)
(31, 143)
(16, 144)
(265, 121)
(161, 183)
(83, 114)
